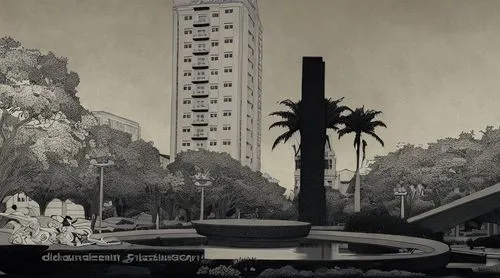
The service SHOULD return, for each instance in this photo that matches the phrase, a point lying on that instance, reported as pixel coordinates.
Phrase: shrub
(487, 242)
(289, 271)
(289, 213)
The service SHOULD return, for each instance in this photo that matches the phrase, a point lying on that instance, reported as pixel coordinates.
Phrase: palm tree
(290, 120)
(358, 122)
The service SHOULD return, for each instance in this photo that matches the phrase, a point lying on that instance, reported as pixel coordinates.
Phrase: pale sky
(432, 66)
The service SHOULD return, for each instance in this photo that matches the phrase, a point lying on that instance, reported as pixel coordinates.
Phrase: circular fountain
(252, 232)
(250, 246)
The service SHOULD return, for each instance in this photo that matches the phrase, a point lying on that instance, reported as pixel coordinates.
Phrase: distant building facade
(119, 123)
(332, 180)
(164, 160)
(23, 203)
(269, 178)
(57, 207)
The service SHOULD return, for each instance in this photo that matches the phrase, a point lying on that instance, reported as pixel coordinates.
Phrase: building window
(214, 87)
(228, 84)
(227, 70)
(213, 143)
(226, 127)
(188, 45)
(187, 87)
(213, 128)
(214, 72)
(228, 99)
(228, 55)
(227, 113)
(213, 101)
(188, 17)
(186, 129)
(228, 40)
(213, 115)
(188, 31)
(328, 164)
(215, 29)
(228, 11)
(187, 60)
(228, 26)
(187, 73)
(215, 15)
(215, 43)
(186, 116)
(187, 101)
(186, 144)
(226, 142)
(214, 58)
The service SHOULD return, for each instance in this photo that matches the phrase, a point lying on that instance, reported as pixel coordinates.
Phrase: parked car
(144, 221)
(116, 224)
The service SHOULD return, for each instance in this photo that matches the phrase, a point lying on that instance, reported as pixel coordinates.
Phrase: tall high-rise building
(217, 78)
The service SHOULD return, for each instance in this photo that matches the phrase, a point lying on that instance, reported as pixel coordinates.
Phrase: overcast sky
(432, 66)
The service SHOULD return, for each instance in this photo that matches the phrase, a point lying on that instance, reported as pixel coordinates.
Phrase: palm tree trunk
(357, 186)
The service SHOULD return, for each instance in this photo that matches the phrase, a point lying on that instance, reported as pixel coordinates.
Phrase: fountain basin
(249, 229)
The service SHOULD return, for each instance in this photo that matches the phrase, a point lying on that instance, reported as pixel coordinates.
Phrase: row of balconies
(200, 133)
(201, 48)
(200, 63)
(201, 20)
(200, 106)
(200, 90)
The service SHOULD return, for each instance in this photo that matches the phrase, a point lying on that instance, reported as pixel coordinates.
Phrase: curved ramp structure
(431, 255)
(460, 211)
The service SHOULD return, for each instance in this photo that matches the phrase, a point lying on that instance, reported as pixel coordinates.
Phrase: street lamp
(101, 187)
(401, 192)
(202, 180)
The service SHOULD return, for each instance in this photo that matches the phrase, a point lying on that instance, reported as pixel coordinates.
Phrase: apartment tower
(217, 78)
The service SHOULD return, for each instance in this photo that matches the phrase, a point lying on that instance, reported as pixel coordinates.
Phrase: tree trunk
(188, 215)
(43, 206)
(94, 207)
(357, 186)
(86, 209)
(119, 206)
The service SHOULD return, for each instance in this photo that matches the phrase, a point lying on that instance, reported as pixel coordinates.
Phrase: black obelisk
(312, 201)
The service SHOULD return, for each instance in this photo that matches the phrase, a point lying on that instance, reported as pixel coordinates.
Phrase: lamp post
(101, 187)
(202, 180)
(401, 192)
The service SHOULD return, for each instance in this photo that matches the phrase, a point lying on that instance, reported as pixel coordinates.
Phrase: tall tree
(359, 122)
(36, 118)
(290, 119)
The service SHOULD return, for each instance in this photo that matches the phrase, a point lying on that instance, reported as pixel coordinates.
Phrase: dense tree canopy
(445, 171)
(37, 118)
(234, 186)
